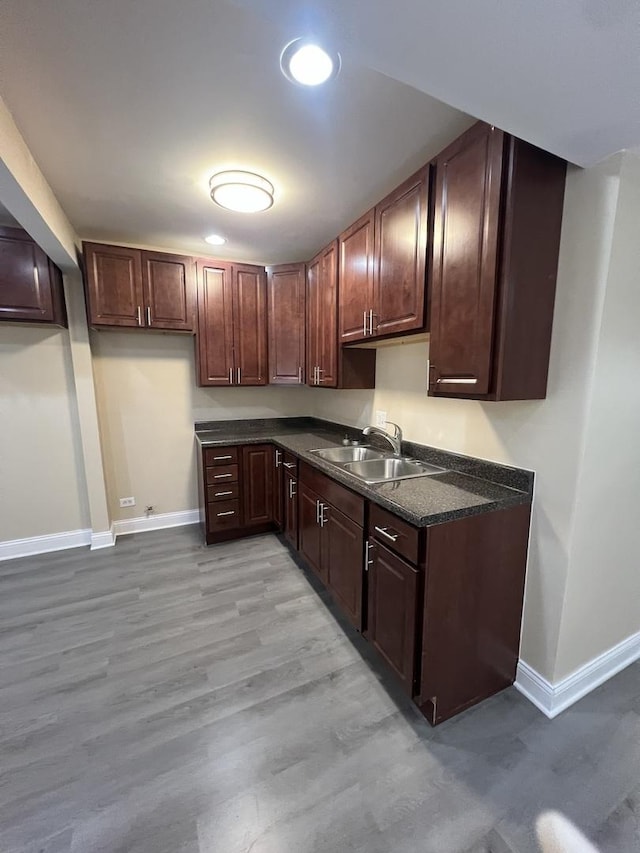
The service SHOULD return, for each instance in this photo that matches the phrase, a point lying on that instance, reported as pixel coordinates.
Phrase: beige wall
(545, 436)
(147, 404)
(41, 483)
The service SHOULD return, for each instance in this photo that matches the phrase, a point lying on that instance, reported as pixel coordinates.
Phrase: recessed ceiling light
(302, 61)
(215, 240)
(244, 192)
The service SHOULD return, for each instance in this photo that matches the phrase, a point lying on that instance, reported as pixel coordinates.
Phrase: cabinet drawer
(221, 456)
(223, 492)
(223, 515)
(394, 532)
(290, 463)
(337, 495)
(222, 474)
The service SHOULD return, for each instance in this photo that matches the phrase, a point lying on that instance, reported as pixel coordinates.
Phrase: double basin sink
(376, 466)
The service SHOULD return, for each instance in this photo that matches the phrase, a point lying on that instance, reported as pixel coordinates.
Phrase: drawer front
(395, 533)
(334, 493)
(223, 492)
(221, 456)
(222, 474)
(223, 515)
(290, 463)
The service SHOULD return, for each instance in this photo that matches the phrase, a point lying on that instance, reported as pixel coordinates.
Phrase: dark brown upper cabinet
(286, 309)
(497, 220)
(232, 324)
(329, 365)
(31, 288)
(133, 288)
(383, 265)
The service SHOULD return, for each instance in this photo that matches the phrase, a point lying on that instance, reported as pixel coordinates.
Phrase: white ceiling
(128, 106)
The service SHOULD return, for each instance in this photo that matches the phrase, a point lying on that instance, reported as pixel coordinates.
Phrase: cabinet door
(250, 325)
(257, 484)
(286, 298)
(391, 624)
(314, 318)
(215, 324)
(356, 297)
(278, 488)
(328, 326)
(25, 285)
(401, 255)
(342, 558)
(169, 285)
(309, 530)
(114, 285)
(291, 509)
(465, 252)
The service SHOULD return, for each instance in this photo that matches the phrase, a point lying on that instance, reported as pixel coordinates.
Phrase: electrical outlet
(381, 418)
(127, 501)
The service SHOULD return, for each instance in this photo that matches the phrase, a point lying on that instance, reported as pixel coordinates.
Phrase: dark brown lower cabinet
(392, 611)
(343, 546)
(278, 489)
(309, 530)
(290, 513)
(257, 485)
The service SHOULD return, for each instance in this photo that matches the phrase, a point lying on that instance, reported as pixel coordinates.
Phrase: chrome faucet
(394, 440)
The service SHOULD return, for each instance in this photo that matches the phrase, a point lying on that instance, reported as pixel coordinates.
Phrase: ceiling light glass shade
(307, 63)
(215, 240)
(244, 192)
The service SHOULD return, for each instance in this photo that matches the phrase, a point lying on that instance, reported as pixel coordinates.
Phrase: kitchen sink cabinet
(232, 324)
(31, 288)
(328, 364)
(286, 286)
(128, 287)
(497, 220)
(382, 277)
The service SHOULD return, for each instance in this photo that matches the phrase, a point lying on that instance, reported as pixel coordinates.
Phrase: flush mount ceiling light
(302, 61)
(215, 240)
(244, 192)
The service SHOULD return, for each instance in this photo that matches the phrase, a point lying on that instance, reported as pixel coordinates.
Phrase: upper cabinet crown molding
(31, 289)
(136, 288)
(497, 221)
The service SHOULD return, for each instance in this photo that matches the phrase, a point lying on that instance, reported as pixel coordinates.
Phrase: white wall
(41, 476)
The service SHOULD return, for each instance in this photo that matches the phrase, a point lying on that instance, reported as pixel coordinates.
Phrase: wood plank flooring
(161, 697)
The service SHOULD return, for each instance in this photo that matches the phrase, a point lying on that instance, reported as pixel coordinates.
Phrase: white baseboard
(156, 522)
(552, 699)
(103, 539)
(14, 548)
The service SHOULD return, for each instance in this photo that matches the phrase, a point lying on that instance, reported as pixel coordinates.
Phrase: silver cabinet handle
(278, 458)
(222, 457)
(231, 376)
(230, 512)
(364, 323)
(221, 476)
(239, 375)
(289, 464)
(323, 520)
(457, 381)
(222, 494)
(383, 530)
(368, 547)
(371, 316)
(320, 380)
(139, 315)
(318, 512)
(148, 316)
(315, 376)
(292, 489)
(300, 376)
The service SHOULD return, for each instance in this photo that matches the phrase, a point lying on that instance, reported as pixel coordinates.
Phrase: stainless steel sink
(391, 468)
(340, 455)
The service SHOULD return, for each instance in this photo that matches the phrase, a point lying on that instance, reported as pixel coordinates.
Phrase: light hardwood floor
(161, 697)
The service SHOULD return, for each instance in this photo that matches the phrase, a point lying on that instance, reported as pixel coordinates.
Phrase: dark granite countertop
(422, 501)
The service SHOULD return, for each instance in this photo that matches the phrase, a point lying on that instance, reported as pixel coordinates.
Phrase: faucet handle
(396, 429)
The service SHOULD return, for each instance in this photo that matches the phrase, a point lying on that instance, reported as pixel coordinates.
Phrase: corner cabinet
(286, 310)
(31, 289)
(497, 221)
(134, 288)
(232, 324)
(383, 265)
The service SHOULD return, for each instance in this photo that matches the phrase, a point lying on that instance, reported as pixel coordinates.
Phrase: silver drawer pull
(383, 530)
(456, 381)
(231, 512)
(222, 476)
(223, 457)
(222, 494)
(289, 464)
